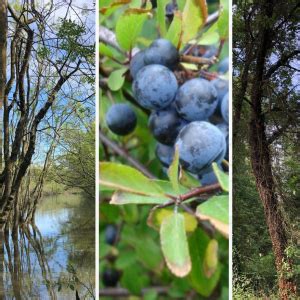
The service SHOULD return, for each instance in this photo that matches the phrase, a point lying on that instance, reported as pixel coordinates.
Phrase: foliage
(161, 241)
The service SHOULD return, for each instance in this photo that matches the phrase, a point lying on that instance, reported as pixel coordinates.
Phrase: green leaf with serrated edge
(157, 216)
(121, 198)
(216, 210)
(161, 16)
(223, 21)
(173, 171)
(116, 79)
(125, 178)
(222, 177)
(188, 180)
(175, 30)
(198, 242)
(211, 258)
(129, 26)
(193, 17)
(174, 244)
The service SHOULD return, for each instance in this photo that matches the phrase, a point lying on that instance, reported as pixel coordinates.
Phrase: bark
(3, 55)
(262, 167)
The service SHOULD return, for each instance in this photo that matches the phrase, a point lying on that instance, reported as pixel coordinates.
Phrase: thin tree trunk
(3, 62)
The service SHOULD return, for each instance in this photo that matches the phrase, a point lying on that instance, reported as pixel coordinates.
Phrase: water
(53, 258)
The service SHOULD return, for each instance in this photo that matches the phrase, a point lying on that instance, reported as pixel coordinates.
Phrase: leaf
(161, 18)
(130, 214)
(157, 216)
(211, 258)
(216, 210)
(194, 16)
(198, 242)
(209, 38)
(188, 180)
(167, 187)
(150, 295)
(222, 177)
(114, 5)
(129, 26)
(134, 279)
(116, 79)
(125, 178)
(175, 30)
(223, 21)
(174, 244)
(120, 198)
(173, 171)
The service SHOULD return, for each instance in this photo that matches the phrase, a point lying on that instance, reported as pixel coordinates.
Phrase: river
(53, 258)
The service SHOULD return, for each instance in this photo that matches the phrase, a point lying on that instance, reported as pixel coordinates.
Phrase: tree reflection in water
(56, 265)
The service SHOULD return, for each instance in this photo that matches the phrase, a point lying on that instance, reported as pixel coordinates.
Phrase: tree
(45, 61)
(266, 85)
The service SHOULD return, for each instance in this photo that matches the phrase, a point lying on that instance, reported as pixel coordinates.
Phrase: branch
(197, 60)
(276, 134)
(121, 152)
(282, 61)
(121, 292)
(108, 37)
(208, 189)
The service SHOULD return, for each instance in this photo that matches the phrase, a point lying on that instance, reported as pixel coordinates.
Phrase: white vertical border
(97, 105)
(230, 151)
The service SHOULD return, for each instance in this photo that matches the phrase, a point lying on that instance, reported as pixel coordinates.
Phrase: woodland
(47, 130)
(266, 124)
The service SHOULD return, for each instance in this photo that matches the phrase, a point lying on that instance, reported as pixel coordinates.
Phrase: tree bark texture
(262, 165)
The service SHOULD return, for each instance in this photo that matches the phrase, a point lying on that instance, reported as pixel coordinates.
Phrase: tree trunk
(3, 47)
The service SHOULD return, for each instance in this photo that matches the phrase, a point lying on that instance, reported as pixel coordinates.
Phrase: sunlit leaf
(120, 198)
(161, 16)
(129, 26)
(125, 178)
(216, 210)
(211, 258)
(174, 244)
(157, 216)
(174, 33)
(223, 21)
(116, 79)
(193, 17)
(222, 177)
(173, 171)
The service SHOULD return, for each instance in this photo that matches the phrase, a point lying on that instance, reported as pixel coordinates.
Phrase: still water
(53, 258)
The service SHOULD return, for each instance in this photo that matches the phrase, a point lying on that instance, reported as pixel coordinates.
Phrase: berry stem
(197, 60)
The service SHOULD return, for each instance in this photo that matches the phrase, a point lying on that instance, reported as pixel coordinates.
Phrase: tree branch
(121, 152)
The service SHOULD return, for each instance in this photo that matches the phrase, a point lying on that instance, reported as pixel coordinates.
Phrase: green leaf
(209, 38)
(129, 26)
(167, 187)
(216, 210)
(193, 17)
(125, 178)
(130, 214)
(116, 79)
(223, 21)
(157, 216)
(222, 177)
(125, 259)
(211, 258)
(173, 171)
(188, 180)
(175, 30)
(120, 198)
(134, 279)
(174, 244)
(150, 295)
(161, 18)
(198, 242)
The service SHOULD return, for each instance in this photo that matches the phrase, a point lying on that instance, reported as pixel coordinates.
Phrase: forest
(47, 169)
(266, 132)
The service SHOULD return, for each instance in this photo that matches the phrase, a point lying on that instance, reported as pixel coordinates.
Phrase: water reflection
(53, 258)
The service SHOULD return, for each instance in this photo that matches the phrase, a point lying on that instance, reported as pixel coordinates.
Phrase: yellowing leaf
(194, 16)
(173, 171)
(157, 216)
(211, 258)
